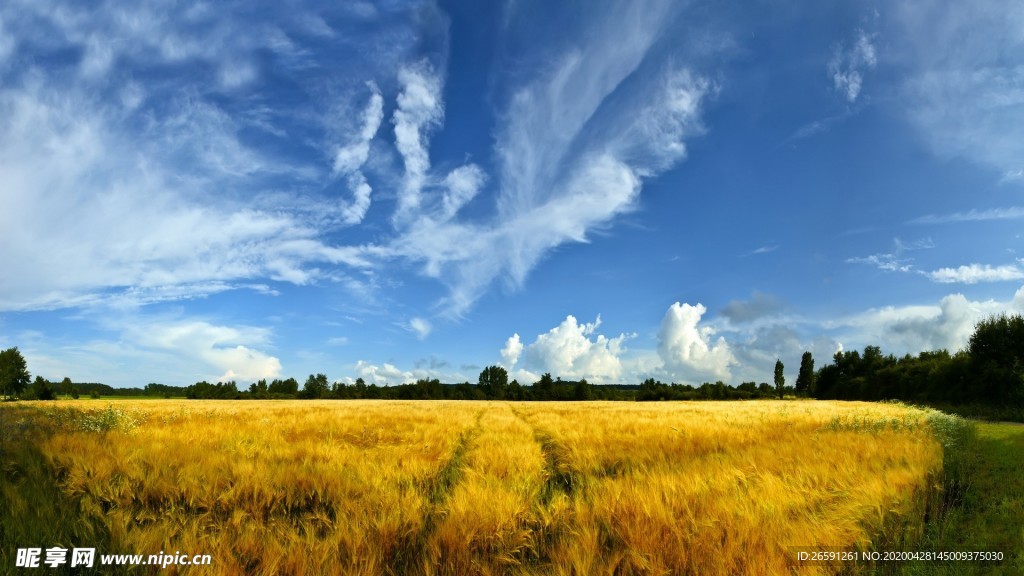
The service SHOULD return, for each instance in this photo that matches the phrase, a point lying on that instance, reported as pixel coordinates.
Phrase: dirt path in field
(438, 490)
(561, 478)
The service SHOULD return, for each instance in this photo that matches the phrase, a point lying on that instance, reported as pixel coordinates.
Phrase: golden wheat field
(376, 487)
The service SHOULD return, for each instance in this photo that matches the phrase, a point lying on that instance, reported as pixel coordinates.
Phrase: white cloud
(419, 110)
(513, 348)
(146, 348)
(352, 157)
(567, 350)
(463, 184)
(848, 66)
(894, 261)
(571, 158)
(975, 273)
(228, 350)
(132, 165)
(767, 249)
(1008, 213)
(687, 350)
(349, 160)
(887, 262)
(387, 374)
(964, 81)
(420, 327)
(100, 210)
(912, 329)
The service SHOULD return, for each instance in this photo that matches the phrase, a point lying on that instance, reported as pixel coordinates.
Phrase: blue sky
(397, 190)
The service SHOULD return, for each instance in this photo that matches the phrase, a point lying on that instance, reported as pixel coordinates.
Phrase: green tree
(66, 387)
(544, 388)
(780, 378)
(493, 382)
(583, 391)
(289, 386)
(42, 390)
(805, 378)
(997, 360)
(258, 389)
(315, 386)
(14, 376)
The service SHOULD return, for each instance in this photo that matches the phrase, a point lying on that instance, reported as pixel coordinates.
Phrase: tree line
(990, 371)
(492, 384)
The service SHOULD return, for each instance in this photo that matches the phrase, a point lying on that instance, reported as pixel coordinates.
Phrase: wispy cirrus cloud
(574, 146)
(349, 160)
(894, 261)
(849, 64)
(135, 170)
(186, 182)
(766, 249)
(964, 83)
(973, 215)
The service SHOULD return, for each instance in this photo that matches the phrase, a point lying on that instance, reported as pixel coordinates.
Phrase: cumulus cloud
(385, 374)
(570, 350)
(689, 351)
(511, 351)
(975, 273)
(912, 329)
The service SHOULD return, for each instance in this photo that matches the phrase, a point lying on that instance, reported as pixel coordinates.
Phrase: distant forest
(990, 371)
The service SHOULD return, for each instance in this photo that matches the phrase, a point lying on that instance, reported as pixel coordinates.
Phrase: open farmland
(370, 487)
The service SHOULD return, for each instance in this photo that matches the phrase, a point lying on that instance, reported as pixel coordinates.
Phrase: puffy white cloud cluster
(912, 329)
(383, 374)
(686, 351)
(689, 351)
(570, 350)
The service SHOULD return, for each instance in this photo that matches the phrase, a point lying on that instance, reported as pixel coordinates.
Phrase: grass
(372, 487)
(989, 515)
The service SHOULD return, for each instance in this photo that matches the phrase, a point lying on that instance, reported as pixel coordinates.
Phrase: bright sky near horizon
(397, 190)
